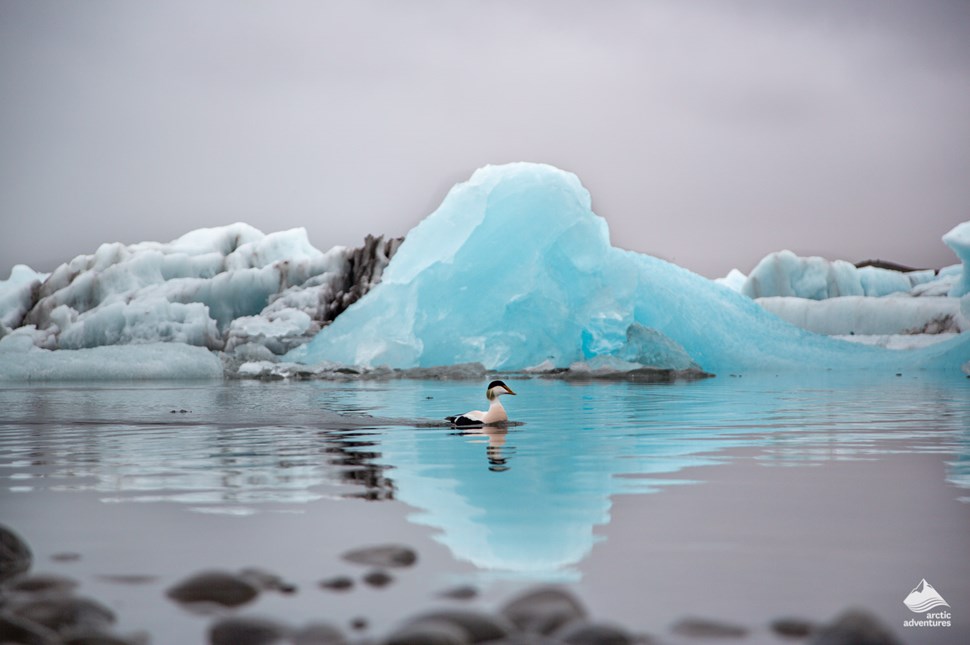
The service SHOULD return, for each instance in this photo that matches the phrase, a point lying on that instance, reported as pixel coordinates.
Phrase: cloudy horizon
(708, 133)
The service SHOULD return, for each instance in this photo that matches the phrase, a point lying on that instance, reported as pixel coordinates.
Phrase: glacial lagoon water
(740, 499)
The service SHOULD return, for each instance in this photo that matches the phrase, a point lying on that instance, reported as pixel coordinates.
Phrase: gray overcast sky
(709, 132)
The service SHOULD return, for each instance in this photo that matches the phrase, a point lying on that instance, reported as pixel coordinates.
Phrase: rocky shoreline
(45, 609)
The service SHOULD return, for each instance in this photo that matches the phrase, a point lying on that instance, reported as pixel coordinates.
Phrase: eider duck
(494, 415)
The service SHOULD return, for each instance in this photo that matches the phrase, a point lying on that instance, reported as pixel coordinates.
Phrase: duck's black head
(497, 388)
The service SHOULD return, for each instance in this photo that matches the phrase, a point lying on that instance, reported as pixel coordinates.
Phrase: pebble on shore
(42, 609)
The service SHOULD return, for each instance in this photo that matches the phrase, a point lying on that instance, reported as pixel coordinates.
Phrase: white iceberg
(230, 288)
(860, 315)
(783, 273)
(15, 295)
(514, 270)
(958, 239)
(886, 305)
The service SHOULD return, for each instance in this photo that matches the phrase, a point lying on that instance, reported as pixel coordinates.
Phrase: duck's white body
(495, 414)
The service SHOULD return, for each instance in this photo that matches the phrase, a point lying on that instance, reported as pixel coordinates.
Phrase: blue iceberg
(514, 271)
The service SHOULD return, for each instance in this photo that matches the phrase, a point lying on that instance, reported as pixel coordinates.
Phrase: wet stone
(708, 628)
(378, 578)
(464, 592)
(584, 633)
(385, 556)
(66, 613)
(474, 626)
(245, 630)
(20, 630)
(104, 638)
(15, 555)
(42, 583)
(855, 627)
(544, 610)
(319, 634)
(339, 583)
(129, 579)
(267, 581)
(793, 627)
(429, 632)
(217, 587)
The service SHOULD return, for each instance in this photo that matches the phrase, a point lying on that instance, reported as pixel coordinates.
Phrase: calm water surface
(735, 498)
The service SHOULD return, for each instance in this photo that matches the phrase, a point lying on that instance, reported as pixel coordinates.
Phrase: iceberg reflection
(528, 500)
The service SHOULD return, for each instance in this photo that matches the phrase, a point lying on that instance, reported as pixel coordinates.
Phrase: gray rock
(855, 627)
(247, 630)
(266, 580)
(793, 627)
(707, 628)
(378, 578)
(429, 632)
(129, 578)
(65, 614)
(589, 633)
(105, 638)
(15, 629)
(544, 610)
(463, 592)
(42, 583)
(338, 583)
(214, 586)
(319, 634)
(450, 627)
(15, 555)
(388, 555)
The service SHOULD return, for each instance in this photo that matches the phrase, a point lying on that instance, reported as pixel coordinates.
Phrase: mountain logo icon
(924, 598)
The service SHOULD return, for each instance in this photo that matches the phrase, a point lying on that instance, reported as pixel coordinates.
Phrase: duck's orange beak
(509, 390)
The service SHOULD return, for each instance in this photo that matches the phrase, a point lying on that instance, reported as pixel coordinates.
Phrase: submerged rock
(707, 628)
(589, 633)
(218, 587)
(319, 634)
(266, 580)
(64, 614)
(338, 583)
(15, 555)
(793, 627)
(42, 583)
(452, 627)
(855, 627)
(378, 578)
(386, 555)
(15, 629)
(544, 610)
(246, 630)
(463, 592)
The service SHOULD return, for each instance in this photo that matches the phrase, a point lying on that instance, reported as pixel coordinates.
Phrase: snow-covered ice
(860, 315)
(785, 274)
(514, 270)
(958, 239)
(231, 288)
(15, 294)
(21, 360)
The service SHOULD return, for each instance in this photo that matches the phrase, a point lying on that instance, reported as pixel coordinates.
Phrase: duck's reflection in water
(496, 451)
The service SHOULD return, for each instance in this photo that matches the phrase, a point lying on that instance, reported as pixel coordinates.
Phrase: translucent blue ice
(514, 270)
